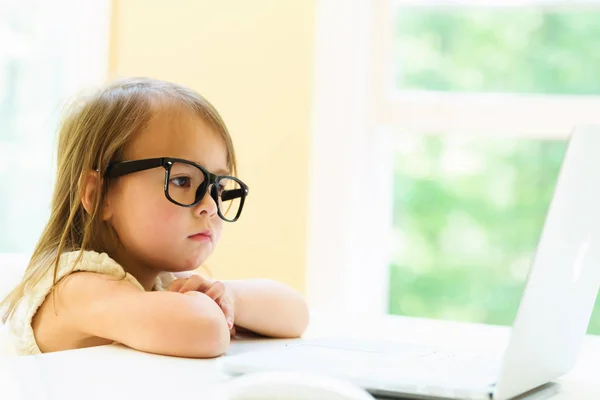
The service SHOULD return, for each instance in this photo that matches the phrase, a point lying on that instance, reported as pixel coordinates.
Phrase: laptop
(546, 335)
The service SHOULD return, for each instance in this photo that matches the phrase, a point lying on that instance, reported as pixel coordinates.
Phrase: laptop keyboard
(390, 366)
(374, 346)
(399, 359)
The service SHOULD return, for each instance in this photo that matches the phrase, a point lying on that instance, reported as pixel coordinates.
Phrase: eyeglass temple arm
(233, 194)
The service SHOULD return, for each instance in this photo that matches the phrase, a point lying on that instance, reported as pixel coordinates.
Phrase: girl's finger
(195, 282)
(176, 285)
(216, 290)
(227, 309)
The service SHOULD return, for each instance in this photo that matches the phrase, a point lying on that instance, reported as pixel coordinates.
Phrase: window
(50, 50)
(449, 160)
(469, 208)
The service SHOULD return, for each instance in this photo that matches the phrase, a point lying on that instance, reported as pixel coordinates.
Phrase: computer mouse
(289, 386)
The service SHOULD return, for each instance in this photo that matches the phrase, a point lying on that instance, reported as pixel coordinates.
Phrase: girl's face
(153, 231)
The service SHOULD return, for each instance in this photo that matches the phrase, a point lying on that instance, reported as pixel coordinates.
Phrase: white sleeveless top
(19, 325)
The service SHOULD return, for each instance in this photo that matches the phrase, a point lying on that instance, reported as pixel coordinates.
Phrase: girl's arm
(268, 308)
(95, 305)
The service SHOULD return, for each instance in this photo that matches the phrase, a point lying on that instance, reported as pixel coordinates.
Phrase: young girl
(145, 181)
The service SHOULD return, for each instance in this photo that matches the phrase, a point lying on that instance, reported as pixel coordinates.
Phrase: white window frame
(350, 222)
(88, 61)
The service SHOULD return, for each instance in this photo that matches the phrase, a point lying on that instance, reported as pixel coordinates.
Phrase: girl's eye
(221, 188)
(181, 181)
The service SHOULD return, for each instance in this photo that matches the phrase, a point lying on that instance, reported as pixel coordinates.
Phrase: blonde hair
(94, 133)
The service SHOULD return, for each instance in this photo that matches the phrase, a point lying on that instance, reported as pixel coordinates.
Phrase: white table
(116, 372)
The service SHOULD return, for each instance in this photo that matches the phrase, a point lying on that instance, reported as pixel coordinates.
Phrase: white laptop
(547, 333)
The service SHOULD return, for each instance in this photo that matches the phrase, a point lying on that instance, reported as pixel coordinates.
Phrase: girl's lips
(202, 236)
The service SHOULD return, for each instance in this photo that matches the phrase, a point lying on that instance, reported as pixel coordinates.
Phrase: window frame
(356, 109)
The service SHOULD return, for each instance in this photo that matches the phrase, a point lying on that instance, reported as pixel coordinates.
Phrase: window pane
(468, 215)
(518, 50)
(34, 54)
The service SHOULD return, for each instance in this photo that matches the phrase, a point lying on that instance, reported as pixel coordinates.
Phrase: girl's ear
(90, 182)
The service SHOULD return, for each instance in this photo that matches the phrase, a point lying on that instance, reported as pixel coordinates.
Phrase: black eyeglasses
(186, 183)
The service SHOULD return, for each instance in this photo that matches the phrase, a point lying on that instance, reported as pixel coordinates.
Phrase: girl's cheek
(217, 228)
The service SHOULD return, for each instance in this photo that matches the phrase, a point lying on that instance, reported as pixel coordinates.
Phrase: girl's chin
(194, 259)
(190, 264)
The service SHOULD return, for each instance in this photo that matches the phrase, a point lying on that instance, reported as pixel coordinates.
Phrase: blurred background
(401, 154)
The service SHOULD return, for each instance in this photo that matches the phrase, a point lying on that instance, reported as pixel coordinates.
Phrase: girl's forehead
(180, 134)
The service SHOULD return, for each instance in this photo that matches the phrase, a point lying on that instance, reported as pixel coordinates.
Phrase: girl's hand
(216, 290)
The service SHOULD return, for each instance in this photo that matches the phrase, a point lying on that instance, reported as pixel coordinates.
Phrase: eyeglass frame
(122, 168)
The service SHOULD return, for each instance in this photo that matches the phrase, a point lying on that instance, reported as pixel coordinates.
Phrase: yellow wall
(253, 60)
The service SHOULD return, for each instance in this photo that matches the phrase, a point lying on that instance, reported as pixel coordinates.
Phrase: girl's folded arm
(185, 325)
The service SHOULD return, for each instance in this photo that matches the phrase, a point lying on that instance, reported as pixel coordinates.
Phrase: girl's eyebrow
(220, 171)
